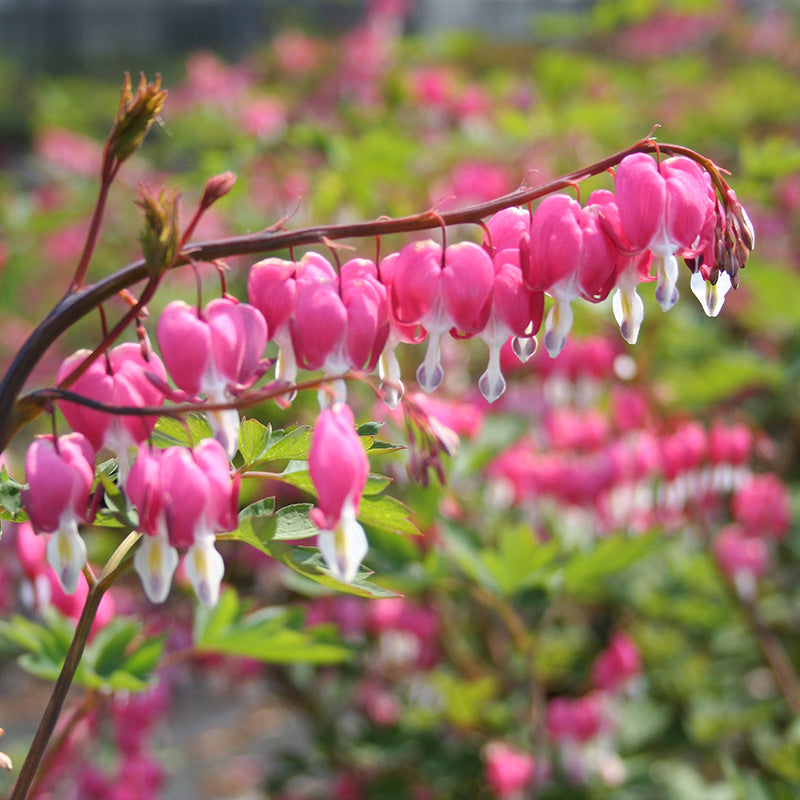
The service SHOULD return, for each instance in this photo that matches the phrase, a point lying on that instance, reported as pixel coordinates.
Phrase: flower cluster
(352, 318)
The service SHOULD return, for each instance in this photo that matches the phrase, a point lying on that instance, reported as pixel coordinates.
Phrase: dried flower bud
(217, 186)
(159, 238)
(135, 116)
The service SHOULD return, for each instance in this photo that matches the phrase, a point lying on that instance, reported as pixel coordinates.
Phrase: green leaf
(273, 635)
(115, 503)
(387, 514)
(369, 429)
(586, 571)
(10, 498)
(520, 562)
(254, 439)
(144, 659)
(108, 648)
(261, 508)
(169, 431)
(296, 474)
(308, 562)
(295, 444)
(292, 522)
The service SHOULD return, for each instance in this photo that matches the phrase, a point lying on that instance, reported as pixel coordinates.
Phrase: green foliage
(272, 635)
(118, 657)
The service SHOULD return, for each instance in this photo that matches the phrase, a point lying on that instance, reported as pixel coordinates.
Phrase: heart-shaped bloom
(60, 474)
(340, 322)
(215, 353)
(570, 257)
(118, 379)
(184, 498)
(339, 468)
(667, 208)
(516, 311)
(441, 291)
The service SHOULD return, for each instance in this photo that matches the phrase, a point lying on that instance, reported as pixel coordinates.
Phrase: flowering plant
(162, 463)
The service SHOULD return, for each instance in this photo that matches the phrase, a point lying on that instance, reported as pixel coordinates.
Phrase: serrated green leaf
(295, 444)
(254, 439)
(261, 508)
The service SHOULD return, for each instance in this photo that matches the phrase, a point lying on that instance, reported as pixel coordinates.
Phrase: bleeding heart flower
(60, 474)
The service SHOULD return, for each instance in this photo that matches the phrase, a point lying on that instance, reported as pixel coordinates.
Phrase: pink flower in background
(509, 773)
(69, 152)
(471, 182)
(60, 474)
(263, 117)
(119, 379)
(761, 507)
(744, 559)
(296, 53)
(339, 468)
(617, 665)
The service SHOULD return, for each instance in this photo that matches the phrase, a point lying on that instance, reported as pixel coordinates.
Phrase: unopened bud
(135, 116)
(217, 186)
(745, 226)
(159, 238)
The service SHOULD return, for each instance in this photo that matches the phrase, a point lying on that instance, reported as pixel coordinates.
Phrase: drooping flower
(119, 379)
(439, 292)
(60, 474)
(216, 353)
(667, 208)
(340, 322)
(516, 311)
(339, 468)
(184, 498)
(570, 257)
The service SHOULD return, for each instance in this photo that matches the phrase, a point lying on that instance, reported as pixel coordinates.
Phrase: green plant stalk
(116, 565)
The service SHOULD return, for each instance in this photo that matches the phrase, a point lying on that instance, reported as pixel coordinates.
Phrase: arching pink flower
(339, 468)
(214, 353)
(570, 257)
(339, 322)
(184, 498)
(60, 476)
(666, 208)
(120, 379)
(516, 311)
(441, 292)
